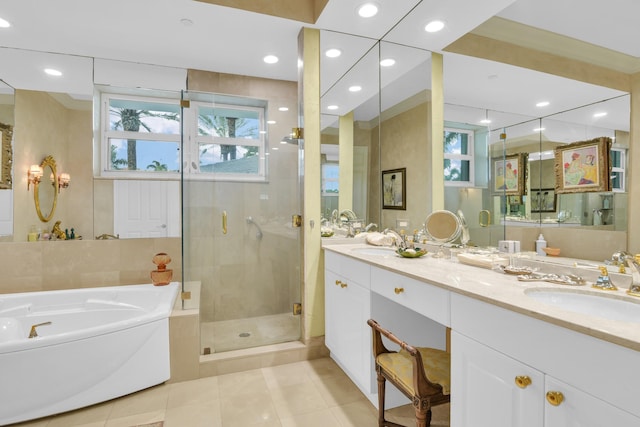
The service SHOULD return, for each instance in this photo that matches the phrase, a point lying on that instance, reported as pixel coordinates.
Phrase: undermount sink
(597, 303)
(374, 251)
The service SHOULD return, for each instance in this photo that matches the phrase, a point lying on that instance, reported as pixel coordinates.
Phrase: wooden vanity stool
(421, 374)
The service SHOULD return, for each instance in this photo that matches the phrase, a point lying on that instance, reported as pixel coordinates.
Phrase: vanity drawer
(348, 268)
(421, 297)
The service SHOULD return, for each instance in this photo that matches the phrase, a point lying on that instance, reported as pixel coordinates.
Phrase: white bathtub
(102, 343)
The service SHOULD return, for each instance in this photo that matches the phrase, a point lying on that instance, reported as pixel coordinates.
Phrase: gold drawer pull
(523, 381)
(555, 397)
(338, 283)
(398, 291)
(343, 285)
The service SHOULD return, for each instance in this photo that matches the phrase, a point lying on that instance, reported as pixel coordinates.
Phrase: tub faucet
(106, 236)
(33, 332)
(371, 226)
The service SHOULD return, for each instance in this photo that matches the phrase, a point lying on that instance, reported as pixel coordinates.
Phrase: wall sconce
(63, 181)
(34, 174)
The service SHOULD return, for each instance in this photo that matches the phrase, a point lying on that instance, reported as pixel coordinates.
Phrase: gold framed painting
(394, 189)
(509, 174)
(583, 166)
(6, 160)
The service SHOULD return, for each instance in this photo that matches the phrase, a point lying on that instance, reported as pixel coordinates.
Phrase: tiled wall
(43, 266)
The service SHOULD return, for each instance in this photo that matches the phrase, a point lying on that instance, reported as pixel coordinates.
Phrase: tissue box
(509, 246)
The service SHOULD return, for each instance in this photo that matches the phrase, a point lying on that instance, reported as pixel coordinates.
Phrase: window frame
(468, 157)
(192, 167)
(107, 134)
(187, 139)
(620, 169)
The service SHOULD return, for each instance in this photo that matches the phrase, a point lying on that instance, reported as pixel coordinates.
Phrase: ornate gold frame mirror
(6, 155)
(47, 199)
(442, 226)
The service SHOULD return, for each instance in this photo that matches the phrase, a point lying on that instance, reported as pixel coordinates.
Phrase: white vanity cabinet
(509, 370)
(347, 309)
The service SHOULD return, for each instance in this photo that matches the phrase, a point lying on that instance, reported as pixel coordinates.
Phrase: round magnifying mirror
(45, 193)
(442, 226)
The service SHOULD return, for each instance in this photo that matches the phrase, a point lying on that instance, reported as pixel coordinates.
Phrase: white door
(146, 208)
(484, 390)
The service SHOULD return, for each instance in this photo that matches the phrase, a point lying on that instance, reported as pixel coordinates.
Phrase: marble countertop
(502, 290)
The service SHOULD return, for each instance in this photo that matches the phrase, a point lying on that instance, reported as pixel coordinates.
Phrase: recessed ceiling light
(355, 88)
(53, 72)
(270, 59)
(271, 122)
(542, 104)
(275, 148)
(333, 53)
(263, 132)
(4, 23)
(601, 114)
(186, 22)
(434, 26)
(283, 109)
(368, 10)
(538, 129)
(485, 121)
(332, 107)
(388, 62)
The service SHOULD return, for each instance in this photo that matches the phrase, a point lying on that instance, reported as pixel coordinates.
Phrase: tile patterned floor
(313, 393)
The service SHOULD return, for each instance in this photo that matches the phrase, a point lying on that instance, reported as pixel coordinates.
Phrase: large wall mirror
(494, 105)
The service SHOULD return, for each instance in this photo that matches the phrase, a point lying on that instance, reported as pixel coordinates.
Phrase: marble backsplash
(44, 266)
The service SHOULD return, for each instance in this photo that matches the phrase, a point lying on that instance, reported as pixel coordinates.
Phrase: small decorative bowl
(411, 253)
(552, 251)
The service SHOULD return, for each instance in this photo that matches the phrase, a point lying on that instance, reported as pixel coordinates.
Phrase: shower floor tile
(228, 335)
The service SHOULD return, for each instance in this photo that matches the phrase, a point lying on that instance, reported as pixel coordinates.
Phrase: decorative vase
(161, 276)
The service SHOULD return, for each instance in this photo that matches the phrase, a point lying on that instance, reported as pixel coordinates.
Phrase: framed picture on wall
(6, 135)
(543, 200)
(509, 174)
(394, 189)
(583, 166)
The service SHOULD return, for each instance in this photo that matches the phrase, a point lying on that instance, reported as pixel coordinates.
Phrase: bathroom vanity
(516, 360)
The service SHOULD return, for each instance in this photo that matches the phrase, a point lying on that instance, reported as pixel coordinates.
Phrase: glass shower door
(240, 189)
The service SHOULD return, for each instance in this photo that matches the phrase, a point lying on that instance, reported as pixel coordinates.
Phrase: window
(330, 172)
(229, 142)
(458, 157)
(618, 166)
(141, 136)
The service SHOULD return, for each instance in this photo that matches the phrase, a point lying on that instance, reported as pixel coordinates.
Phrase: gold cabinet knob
(398, 290)
(338, 282)
(343, 285)
(555, 397)
(523, 381)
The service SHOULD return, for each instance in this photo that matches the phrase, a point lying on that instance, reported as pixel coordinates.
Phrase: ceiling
(194, 34)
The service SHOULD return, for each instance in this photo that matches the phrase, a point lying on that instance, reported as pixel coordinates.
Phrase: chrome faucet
(371, 226)
(631, 262)
(400, 242)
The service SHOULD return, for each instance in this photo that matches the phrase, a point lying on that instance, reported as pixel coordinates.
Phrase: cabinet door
(579, 409)
(485, 390)
(347, 334)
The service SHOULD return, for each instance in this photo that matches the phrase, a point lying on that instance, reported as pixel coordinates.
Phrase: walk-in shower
(238, 237)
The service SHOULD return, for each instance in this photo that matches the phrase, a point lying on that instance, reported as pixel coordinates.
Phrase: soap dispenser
(540, 245)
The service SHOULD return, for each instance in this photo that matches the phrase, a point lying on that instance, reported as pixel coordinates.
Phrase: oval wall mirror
(442, 226)
(45, 193)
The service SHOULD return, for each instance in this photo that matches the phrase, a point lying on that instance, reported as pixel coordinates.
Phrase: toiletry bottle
(540, 245)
